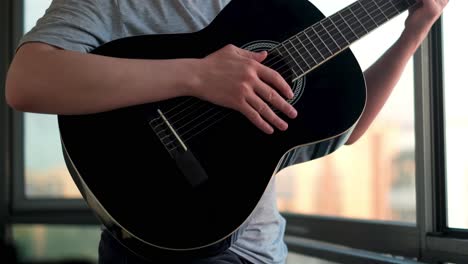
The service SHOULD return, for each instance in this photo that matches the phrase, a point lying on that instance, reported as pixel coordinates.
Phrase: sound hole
(280, 64)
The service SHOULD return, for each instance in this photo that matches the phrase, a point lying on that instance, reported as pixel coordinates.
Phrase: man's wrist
(189, 77)
(410, 40)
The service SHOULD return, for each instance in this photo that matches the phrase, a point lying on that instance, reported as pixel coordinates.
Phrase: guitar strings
(203, 128)
(171, 110)
(273, 57)
(327, 30)
(358, 13)
(311, 50)
(221, 110)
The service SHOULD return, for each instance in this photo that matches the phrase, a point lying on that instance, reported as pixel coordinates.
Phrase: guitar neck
(323, 40)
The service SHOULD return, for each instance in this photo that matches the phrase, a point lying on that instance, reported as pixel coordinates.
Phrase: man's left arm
(384, 74)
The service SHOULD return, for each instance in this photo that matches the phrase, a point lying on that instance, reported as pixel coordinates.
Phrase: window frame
(439, 242)
(5, 48)
(21, 209)
(428, 240)
(40, 210)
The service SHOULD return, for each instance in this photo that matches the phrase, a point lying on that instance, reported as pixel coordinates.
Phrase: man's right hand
(235, 78)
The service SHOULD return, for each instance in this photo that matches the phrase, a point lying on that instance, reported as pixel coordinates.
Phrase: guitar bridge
(175, 146)
(170, 146)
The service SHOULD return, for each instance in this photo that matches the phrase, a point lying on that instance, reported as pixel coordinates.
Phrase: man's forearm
(47, 80)
(384, 74)
(382, 77)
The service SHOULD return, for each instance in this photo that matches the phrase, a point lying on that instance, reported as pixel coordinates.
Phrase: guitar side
(128, 175)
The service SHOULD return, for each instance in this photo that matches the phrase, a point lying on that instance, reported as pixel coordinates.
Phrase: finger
(258, 56)
(256, 118)
(271, 96)
(274, 79)
(266, 112)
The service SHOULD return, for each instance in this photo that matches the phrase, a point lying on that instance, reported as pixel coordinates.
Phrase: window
(56, 242)
(375, 177)
(45, 172)
(456, 113)
(365, 209)
(44, 191)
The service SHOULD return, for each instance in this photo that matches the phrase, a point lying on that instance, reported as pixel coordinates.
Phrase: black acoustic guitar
(182, 176)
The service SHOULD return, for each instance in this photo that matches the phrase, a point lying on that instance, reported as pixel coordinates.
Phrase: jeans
(112, 252)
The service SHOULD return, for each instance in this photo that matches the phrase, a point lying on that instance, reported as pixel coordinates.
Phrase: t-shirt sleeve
(78, 25)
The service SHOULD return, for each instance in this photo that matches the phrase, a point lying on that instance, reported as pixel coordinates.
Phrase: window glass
(56, 243)
(375, 177)
(46, 175)
(372, 179)
(456, 112)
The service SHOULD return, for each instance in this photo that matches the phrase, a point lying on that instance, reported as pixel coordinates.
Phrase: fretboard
(328, 37)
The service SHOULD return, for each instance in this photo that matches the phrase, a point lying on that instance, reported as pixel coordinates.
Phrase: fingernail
(270, 130)
(293, 113)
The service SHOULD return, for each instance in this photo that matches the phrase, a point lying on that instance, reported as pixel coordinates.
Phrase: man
(53, 73)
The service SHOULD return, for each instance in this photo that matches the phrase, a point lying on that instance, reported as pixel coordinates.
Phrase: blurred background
(373, 180)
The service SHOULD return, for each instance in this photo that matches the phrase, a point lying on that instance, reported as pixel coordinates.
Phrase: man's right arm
(46, 79)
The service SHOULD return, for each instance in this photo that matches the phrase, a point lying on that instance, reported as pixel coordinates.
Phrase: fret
(407, 2)
(333, 42)
(351, 30)
(339, 38)
(364, 19)
(303, 52)
(303, 65)
(402, 4)
(367, 13)
(343, 36)
(331, 35)
(289, 52)
(394, 7)
(310, 46)
(322, 42)
(390, 9)
(367, 18)
(378, 14)
(355, 22)
(307, 49)
(313, 44)
(380, 9)
(359, 13)
(296, 73)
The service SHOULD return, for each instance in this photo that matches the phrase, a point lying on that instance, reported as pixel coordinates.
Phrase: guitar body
(170, 178)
